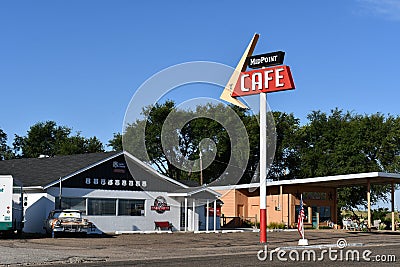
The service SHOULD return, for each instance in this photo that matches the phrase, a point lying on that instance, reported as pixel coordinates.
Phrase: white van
(11, 205)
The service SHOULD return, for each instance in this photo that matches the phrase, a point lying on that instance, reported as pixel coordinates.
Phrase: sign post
(259, 81)
(263, 167)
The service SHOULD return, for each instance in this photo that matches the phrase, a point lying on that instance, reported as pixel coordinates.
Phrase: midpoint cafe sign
(266, 60)
(266, 80)
(268, 75)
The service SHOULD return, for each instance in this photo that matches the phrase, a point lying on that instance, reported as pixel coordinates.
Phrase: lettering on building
(114, 182)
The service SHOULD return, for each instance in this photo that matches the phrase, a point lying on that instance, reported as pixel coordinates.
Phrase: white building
(116, 191)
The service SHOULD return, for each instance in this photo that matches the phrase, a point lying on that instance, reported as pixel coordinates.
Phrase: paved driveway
(188, 249)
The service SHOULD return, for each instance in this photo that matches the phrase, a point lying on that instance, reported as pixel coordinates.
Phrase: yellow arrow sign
(241, 66)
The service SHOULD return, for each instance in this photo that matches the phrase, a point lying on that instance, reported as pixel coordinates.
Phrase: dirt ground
(34, 250)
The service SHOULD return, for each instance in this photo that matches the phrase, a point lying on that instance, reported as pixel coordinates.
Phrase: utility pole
(201, 169)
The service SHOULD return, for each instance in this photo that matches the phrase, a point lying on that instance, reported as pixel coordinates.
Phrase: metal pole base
(303, 242)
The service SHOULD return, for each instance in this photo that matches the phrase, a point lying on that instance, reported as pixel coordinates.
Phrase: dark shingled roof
(42, 171)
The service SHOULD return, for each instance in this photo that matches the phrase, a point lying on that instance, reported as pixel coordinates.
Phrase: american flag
(300, 225)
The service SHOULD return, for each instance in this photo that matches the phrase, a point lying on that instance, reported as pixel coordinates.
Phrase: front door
(240, 211)
(314, 217)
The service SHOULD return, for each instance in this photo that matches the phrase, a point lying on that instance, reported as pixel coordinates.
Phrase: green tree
(223, 125)
(344, 143)
(151, 128)
(47, 138)
(286, 160)
(205, 123)
(78, 145)
(116, 142)
(93, 145)
(5, 150)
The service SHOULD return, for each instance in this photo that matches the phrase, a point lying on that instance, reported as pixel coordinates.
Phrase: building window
(314, 195)
(131, 207)
(297, 211)
(102, 207)
(71, 203)
(324, 213)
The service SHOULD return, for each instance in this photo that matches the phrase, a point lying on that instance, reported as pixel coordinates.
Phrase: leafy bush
(247, 224)
(275, 225)
(382, 226)
(380, 214)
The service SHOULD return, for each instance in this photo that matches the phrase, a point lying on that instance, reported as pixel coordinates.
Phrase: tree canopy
(5, 150)
(180, 158)
(332, 143)
(344, 143)
(47, 138)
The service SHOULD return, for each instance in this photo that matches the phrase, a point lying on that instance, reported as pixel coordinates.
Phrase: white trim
(178, 194)
(32, 188)
(186, 194)
(345, 177)
(209, 190)
(238, 186)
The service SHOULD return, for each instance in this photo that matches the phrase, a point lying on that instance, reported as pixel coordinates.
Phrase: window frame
(90, 208)
(142, 211)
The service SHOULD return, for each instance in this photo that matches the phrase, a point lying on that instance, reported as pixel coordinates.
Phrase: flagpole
(300, 224)
(302, 217)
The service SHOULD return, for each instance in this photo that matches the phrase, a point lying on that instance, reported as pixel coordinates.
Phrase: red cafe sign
(211, 211)
(267, 80)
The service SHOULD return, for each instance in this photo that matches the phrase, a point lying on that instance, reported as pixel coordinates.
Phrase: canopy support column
(215, 215)
(289, 218)
(281, 201)
(186, 214)
(369, 202)
(392, 200)
(207, 215)
(194, 215)
(335, 209)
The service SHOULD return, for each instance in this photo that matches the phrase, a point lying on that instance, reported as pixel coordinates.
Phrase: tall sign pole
(259, 81)
(263, 167)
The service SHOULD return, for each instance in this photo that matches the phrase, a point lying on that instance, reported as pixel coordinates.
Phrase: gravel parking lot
(151, 249)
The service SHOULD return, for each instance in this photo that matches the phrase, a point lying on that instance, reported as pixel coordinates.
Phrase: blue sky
(79, 62)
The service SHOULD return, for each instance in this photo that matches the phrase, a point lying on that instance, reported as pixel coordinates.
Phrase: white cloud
(388, 9)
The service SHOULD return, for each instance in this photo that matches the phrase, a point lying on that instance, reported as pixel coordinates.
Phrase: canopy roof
(327, 181)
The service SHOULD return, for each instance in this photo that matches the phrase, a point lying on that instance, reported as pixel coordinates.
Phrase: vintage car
(67, 221)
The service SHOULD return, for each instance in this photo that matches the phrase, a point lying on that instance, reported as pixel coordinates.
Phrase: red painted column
(263, 226)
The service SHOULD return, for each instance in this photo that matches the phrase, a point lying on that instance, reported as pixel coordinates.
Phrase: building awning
(343, 180)
(335, 181)
(200, 192)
